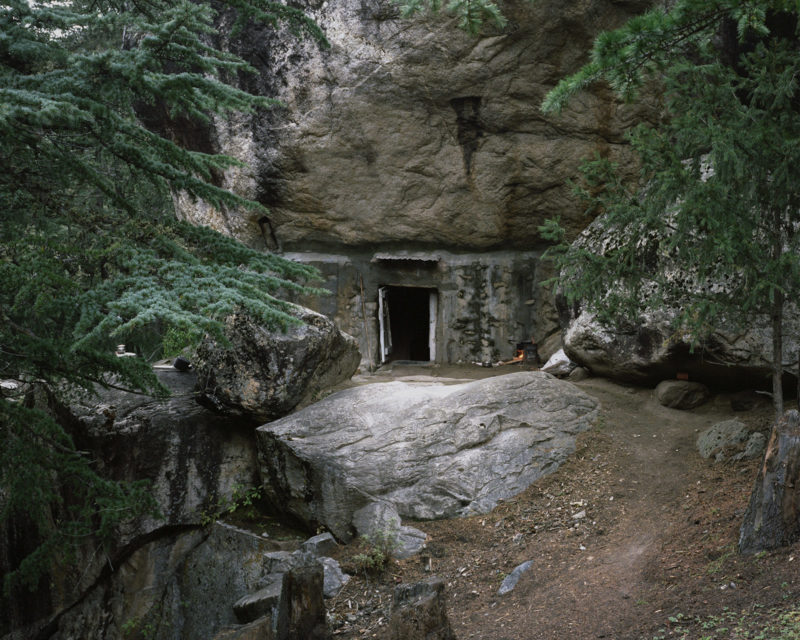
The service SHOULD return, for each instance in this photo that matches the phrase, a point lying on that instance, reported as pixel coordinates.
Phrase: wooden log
(773, 516)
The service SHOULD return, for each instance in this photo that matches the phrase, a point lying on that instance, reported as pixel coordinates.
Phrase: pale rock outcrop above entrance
(431, 451)
(410, 130)
(264, 373)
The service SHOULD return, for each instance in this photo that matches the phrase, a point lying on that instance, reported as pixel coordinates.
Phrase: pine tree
(91, 253)
(471, 14)
(719, 172)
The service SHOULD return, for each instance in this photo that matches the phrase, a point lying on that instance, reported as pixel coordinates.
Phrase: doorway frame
(385, 324)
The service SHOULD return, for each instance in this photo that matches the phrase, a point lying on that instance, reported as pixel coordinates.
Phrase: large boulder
(682, 394)
(263, 374)
(432, 451)
(647, 348)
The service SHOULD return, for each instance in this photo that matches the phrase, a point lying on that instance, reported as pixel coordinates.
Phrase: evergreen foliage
(91, 253)
(719, 174)
(651, 43)
(471, 14)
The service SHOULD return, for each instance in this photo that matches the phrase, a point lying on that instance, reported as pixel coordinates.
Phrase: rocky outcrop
(173, 576)
(178, 580)
(193, 584)
(181, 585)
(414, 131)
(193, 458)
(432, 451)
(263, 374)
(648, 348)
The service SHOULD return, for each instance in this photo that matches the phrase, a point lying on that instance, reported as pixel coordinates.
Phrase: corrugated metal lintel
(414, 257)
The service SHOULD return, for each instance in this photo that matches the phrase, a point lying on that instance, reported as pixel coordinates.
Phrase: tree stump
(773, 517)
(301, 612)
(419, 612)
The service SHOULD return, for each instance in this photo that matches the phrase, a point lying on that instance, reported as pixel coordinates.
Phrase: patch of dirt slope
(633, 530)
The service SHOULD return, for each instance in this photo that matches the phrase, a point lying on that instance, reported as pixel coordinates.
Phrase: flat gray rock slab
(432, 451)
(258, 604)
(511, 580)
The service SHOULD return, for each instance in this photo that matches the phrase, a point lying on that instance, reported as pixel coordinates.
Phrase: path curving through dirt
(634, 529)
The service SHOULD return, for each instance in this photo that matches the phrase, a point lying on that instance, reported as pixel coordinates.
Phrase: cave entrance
(407, 318)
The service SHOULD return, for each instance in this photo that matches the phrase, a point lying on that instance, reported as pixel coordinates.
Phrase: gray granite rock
(260, 603)
(726, 434)
(754, 447)
(382, 519)
(432, 451)
(193, 457)
(264, 374)
(511, 580)
(333, 577)
(319, 545)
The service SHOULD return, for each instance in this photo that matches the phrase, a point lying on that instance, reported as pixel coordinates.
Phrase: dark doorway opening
(409, 320)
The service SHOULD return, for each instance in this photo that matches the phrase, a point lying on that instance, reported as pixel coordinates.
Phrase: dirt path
(634, 529)
(604, 586)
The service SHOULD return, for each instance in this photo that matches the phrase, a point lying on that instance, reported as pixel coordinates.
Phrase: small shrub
(243, 502)
(379, 550)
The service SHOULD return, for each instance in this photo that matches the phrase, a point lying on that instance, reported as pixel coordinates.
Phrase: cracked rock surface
(432, 451)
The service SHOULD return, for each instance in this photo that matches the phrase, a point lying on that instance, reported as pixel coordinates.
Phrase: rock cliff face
(411, 131)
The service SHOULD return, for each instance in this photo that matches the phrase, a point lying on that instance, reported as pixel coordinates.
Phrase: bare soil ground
(654, 556)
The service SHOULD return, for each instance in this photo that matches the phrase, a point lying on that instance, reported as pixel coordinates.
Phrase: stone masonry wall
(486, 302)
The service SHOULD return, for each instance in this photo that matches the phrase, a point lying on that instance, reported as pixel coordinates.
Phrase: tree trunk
(777, 354)
(773, 516)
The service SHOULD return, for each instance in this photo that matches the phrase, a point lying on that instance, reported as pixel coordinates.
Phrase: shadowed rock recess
(431, 451)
